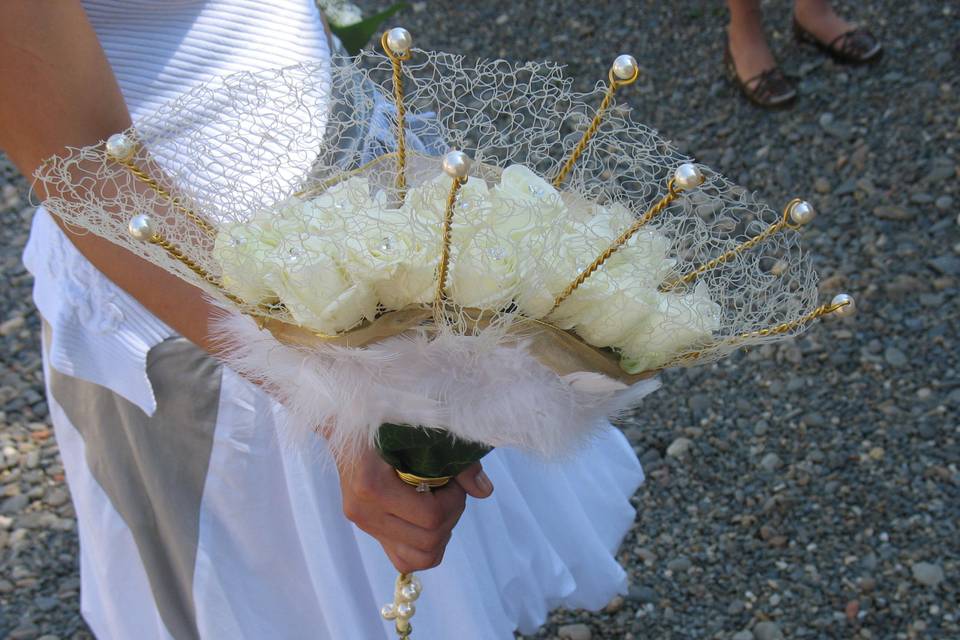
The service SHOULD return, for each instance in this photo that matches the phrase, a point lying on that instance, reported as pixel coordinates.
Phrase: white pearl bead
(456, 164)
(849, 305)
(802, 213)
(415, 581)
(388, 612)
(625, 67)
(399, 40)
(687, 176)
(409, 592)
(141, 227)
(406, 610)
(120, 146)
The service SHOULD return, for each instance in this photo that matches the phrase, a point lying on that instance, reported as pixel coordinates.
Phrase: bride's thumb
(474, 481)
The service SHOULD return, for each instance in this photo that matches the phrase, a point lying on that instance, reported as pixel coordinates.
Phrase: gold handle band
(422, 484)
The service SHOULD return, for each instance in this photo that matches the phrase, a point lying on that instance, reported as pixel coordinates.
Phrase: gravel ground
(806, 490)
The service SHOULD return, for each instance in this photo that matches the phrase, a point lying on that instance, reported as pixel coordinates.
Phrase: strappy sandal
(857, 46)
(769, 89)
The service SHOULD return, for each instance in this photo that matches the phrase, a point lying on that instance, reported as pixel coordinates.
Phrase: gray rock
(767, 630)
(679, 447)
(770, 462)
(577, 631)
(943, 203)
(892, 212)
(14, 504)
(679, 564)
(640, 593)
(46, 603)
(927, 574)
(746, 634)
(11, 326)
(895, 357)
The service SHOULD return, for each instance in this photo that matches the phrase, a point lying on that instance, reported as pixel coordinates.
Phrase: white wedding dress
(193, 522)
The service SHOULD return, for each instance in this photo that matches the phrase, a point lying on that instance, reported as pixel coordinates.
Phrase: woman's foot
(815, 21)
(753, 68)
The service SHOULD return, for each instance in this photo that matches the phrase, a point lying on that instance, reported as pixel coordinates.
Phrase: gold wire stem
(145, 178)
(775, 330)
(177, 254)
(612, 87)
(672, 194)
(444, 265)
(783, 223)
(397, 62)
(343, 177)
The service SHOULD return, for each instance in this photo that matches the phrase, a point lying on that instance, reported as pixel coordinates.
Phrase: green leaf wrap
(429, 453)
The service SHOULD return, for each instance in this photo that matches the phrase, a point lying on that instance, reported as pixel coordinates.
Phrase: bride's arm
(57, 90)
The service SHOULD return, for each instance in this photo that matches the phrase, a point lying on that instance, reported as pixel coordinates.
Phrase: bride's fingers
(474, 481)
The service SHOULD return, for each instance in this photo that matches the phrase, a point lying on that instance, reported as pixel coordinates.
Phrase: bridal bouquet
(437, 257)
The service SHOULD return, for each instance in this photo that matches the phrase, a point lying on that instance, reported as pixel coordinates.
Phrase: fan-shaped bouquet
(394, 292)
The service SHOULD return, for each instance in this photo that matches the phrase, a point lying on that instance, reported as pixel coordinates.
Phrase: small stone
(14, 504)
(11, 326)
(46, 603)
(735, 607)
(927, 574)
(895, 357)
(821, 185)
(771, 462)
(867, 584)
(746, 634)
(851, 610)
(876, 453)
(57, 496)
(943, 203)
(645, 554)
(767, 630)
(614, 605)
(921, 198)
(49, 637)
(679, 564)
(679, 447)
(574, 632)
(642, 594)
(892, 212)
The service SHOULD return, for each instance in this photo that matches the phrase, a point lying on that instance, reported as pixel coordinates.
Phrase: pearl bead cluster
(405, 593)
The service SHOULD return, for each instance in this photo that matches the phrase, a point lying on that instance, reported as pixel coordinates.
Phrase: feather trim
(477, 389)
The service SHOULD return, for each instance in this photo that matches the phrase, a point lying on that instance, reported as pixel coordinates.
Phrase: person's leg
(817, 21)
(750, 59)
(748, 45)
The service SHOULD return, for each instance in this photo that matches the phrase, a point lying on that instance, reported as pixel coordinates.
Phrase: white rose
(681, 322)
(245, 262)
(483, 275)
(318, 293)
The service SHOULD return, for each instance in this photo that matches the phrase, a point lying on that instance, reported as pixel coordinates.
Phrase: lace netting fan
(471, 248)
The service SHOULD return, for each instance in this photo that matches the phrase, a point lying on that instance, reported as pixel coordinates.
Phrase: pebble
(892, 212)
(679, 447)
(679, 564)
(767, 630)
(746, 634)
(770, 462)
(944, 203)
(895, 357)
(577, 631)
(821, 185)
(640, 593)
(14, 504)
(927, 574)
(12, 325)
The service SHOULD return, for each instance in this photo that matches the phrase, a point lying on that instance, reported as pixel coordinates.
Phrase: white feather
(476, 388)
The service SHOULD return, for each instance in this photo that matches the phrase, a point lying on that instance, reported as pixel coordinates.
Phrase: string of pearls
(405, 592)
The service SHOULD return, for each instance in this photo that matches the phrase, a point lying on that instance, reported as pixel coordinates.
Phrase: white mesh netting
(295, 170)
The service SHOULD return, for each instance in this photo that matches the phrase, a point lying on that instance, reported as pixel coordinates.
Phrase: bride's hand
(412, 527)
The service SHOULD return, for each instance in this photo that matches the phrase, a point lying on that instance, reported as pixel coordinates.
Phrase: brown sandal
(857, 46)
(769, 89)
